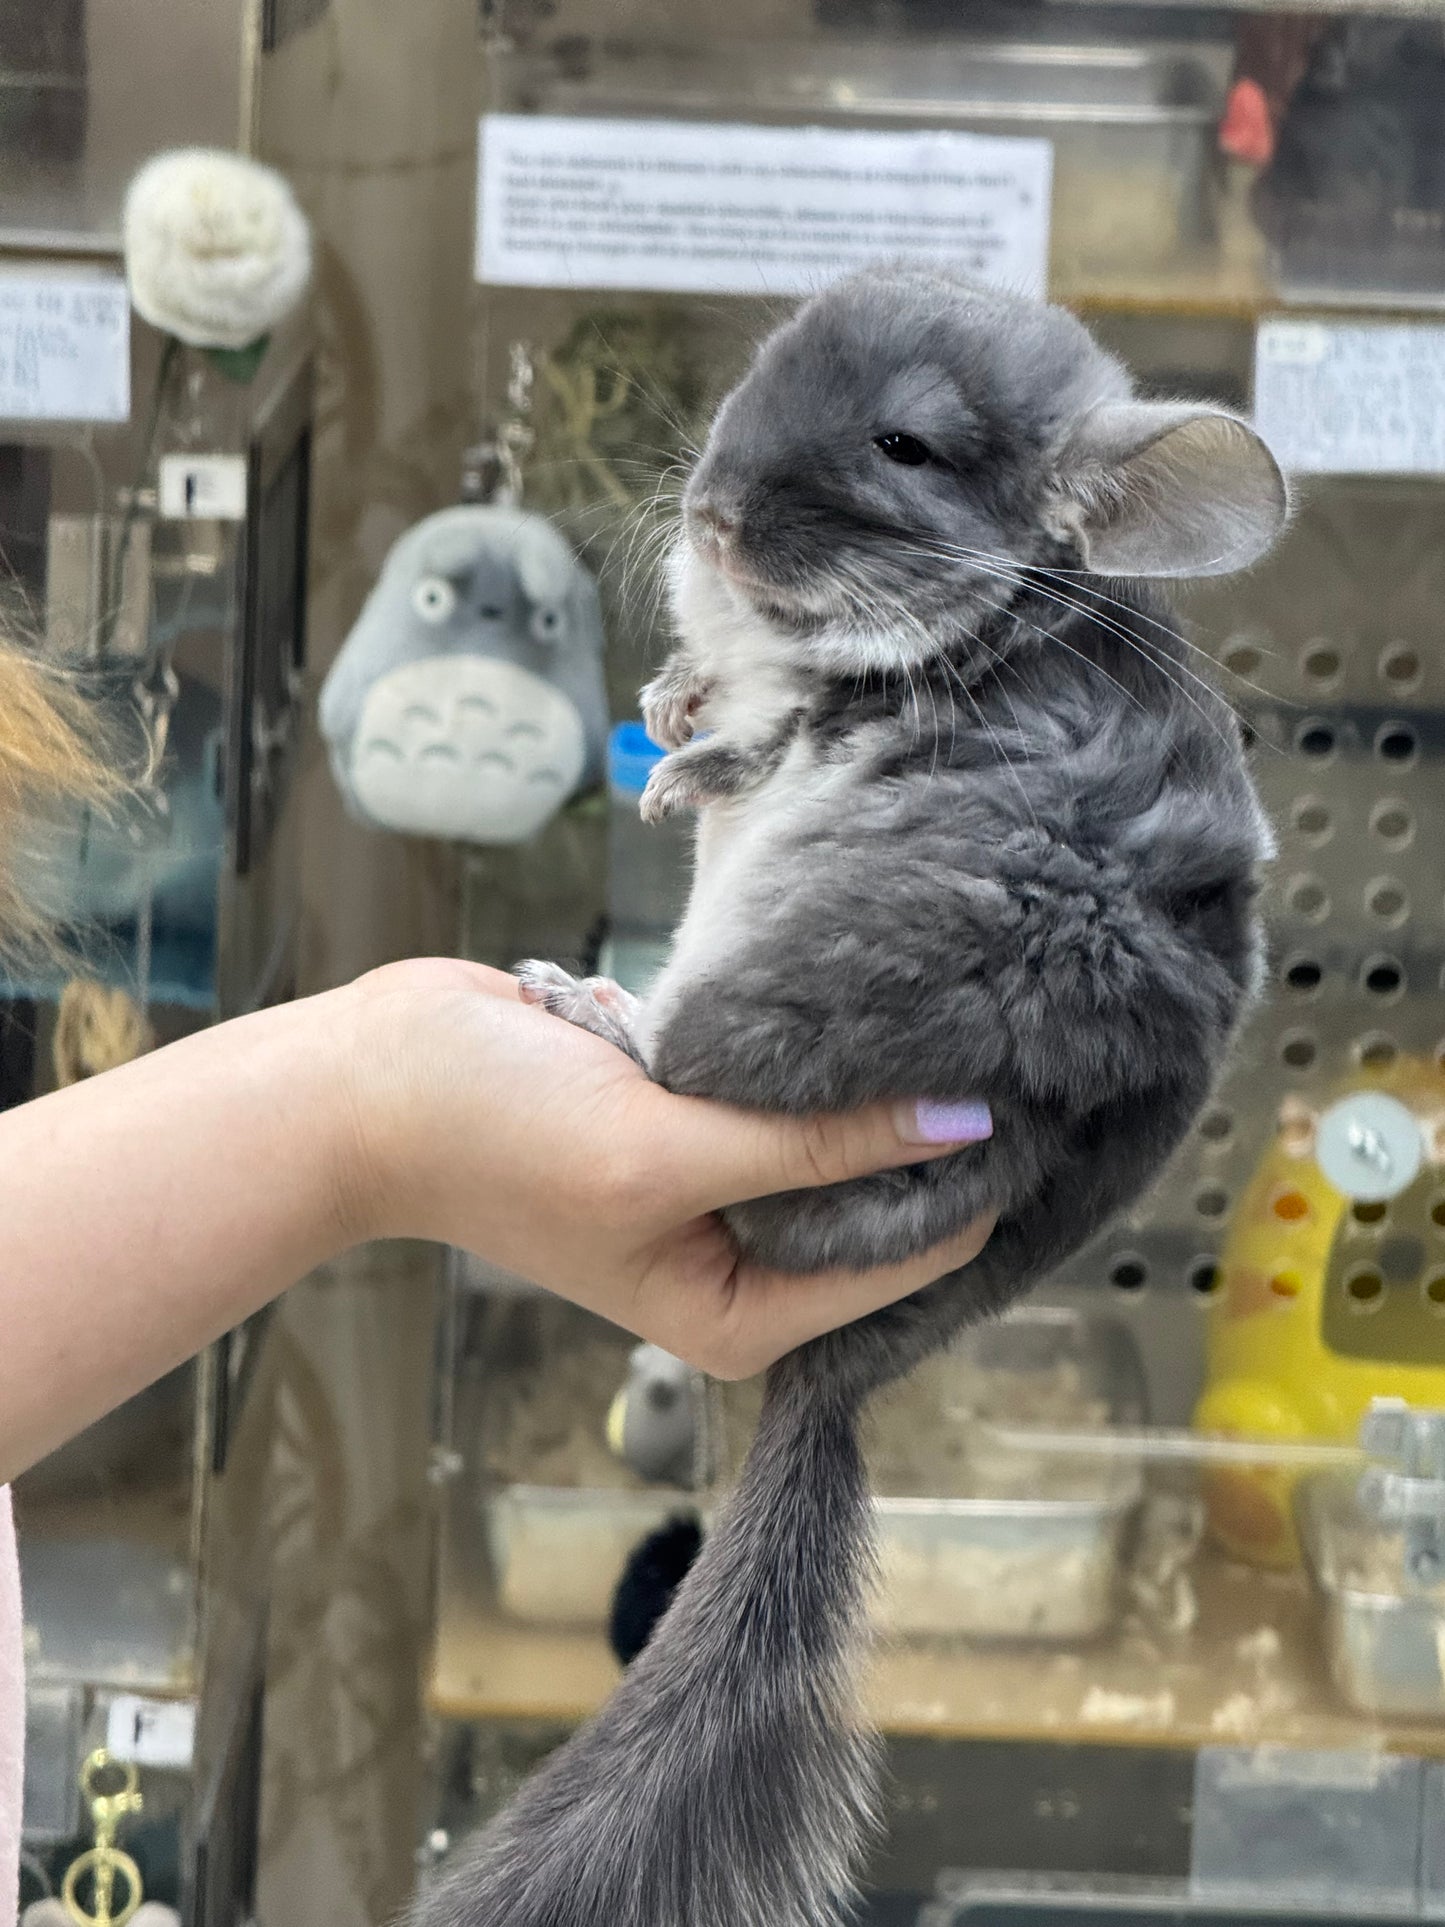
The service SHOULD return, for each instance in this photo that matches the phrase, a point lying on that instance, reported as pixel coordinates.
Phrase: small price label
(64, 346)
(151, 1732)
(1297, 344)
(203, 488)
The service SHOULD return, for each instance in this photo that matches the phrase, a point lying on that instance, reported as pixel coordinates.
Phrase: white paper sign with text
(691, 207)
(151, 1732)
(1341, 398)
(64, 346)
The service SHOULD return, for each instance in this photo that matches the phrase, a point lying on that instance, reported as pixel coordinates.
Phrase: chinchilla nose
(714, 521)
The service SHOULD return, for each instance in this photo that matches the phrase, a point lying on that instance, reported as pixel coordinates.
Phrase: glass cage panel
(1135, 1533)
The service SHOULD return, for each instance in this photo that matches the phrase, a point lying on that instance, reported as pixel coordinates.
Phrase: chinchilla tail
(730, 1780)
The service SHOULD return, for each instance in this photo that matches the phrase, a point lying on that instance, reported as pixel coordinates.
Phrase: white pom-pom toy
(216, 249)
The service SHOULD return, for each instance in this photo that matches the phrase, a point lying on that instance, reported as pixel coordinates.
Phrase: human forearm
(149, 1210)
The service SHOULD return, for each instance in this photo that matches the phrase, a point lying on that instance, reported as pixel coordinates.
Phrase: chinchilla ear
(1169, 489)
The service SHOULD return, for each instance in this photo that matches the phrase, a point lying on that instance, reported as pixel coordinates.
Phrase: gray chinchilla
(973, 825)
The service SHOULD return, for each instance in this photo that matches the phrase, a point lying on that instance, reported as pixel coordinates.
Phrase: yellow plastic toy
(1331, 1290)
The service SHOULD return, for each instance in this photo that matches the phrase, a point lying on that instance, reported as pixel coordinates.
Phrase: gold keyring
(113, 1861)
(103, 1761)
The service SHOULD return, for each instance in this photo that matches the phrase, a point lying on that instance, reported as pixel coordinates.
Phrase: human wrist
(338, 1041)
(379, 1132)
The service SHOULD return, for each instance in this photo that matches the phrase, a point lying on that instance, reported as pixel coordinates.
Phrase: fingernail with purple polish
(933, 1121)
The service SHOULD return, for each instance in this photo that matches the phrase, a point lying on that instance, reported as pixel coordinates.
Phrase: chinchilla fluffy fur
(973, 824)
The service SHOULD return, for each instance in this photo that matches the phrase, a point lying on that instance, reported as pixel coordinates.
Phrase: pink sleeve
(12, 1714)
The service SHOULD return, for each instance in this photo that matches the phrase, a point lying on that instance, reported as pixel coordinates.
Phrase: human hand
(487, 1124)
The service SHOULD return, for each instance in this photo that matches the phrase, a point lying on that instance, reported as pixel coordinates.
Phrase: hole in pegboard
(1437, 1214)
(1242, 658)
(1400, 666)
(1216, 1126)
(1212, 1201)
(1128, 1272)
(1299, 1050)
(1383, 977)
(1204, 1276)
(1369, 1211)
(1315, 739)
(1393, 822)
(1376, 1052)
(1303, 974)
(1321, 663)
(1291, 1207)
(1397, 743)
(1433, 1290)
(1308, 898)
(1365, 1288)
(1387, 900)
(1286, 1284)
(1312, 819)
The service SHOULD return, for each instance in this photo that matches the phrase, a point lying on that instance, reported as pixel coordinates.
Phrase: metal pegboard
(1334, 653)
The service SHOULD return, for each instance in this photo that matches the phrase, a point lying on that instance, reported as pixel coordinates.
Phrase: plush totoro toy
(468, 700)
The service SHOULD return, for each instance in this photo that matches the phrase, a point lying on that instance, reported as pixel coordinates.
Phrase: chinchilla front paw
(670, 707)
(675, 784)
(592, 1003)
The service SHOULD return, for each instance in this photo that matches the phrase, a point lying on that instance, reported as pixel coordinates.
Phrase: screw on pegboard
(1406, 1488)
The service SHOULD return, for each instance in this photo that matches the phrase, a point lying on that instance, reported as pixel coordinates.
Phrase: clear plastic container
(1385, 1634)
(976, 1540)
(649, 865)
(987, 1540)
(560, 1511)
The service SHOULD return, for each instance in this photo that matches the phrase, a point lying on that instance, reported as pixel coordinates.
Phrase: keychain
(468, 700)
(105, 1859)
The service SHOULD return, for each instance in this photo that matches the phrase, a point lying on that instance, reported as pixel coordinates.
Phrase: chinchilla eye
(434, 599)
(906, 450)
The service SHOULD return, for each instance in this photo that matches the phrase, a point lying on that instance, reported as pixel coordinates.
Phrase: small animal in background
(657, 1425)
(468, 700)
(974, 828)
(654, 1570)
(657, 1422)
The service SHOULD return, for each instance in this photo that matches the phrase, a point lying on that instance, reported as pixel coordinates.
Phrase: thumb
(719, 1155)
